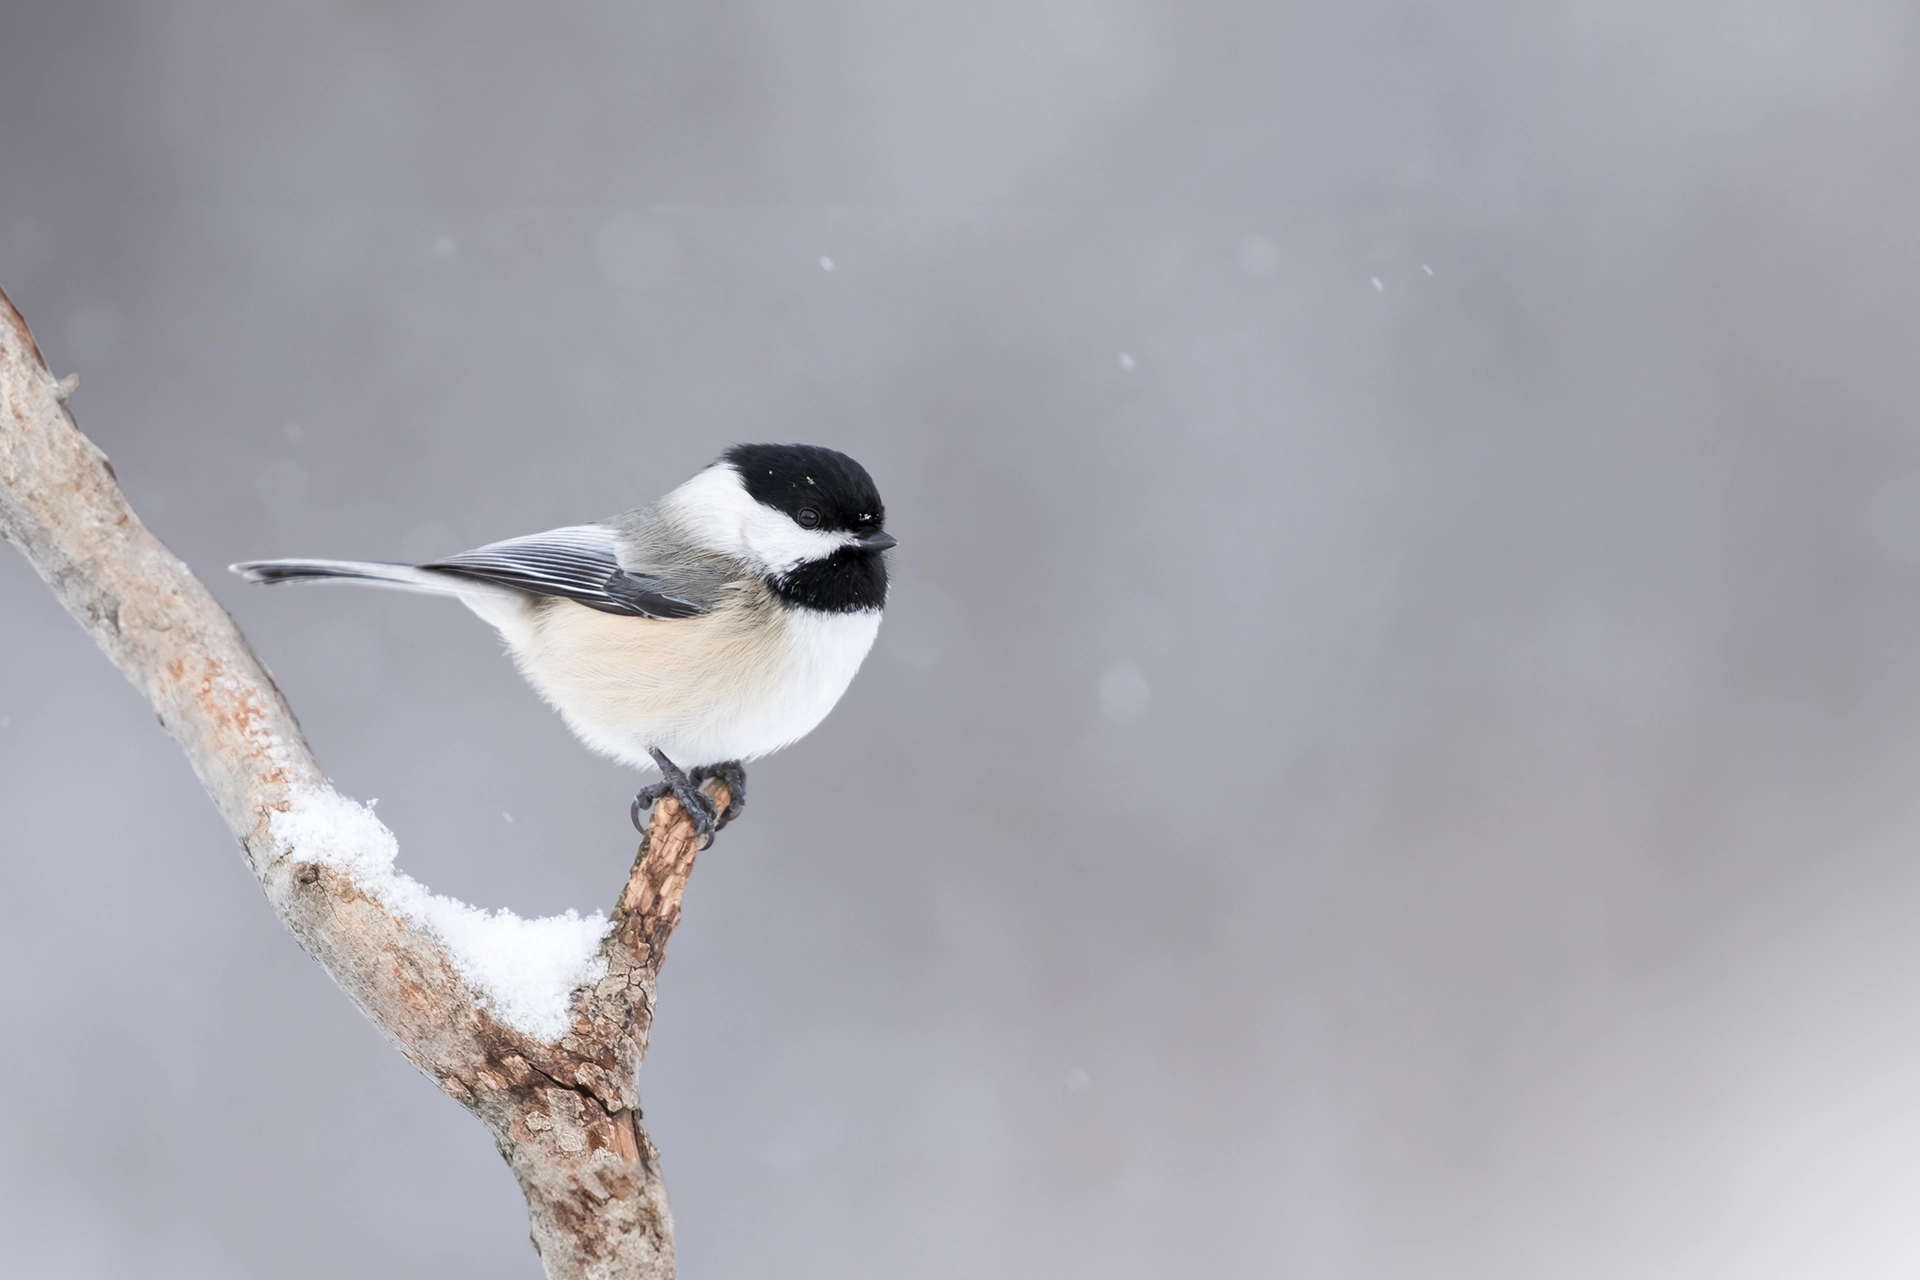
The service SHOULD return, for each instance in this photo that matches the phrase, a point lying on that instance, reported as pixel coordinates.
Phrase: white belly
(744, 680)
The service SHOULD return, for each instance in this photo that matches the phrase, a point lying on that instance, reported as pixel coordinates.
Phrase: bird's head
(806, 518)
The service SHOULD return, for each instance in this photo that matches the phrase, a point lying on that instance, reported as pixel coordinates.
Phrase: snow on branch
(525, 971)
(536, 1026)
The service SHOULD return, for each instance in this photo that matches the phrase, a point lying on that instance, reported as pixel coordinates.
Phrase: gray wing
(578, 563)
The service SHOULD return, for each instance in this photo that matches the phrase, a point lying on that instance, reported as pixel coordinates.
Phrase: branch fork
(565, 1113)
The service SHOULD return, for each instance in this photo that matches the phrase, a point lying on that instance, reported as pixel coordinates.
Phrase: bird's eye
(808, 517)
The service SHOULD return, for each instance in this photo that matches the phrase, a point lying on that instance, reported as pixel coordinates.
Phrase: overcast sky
(1393, 751)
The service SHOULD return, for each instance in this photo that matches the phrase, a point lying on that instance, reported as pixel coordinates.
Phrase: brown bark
(566, 1114)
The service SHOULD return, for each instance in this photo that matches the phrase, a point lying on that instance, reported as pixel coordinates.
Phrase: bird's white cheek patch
(780, 544)
(718, 514)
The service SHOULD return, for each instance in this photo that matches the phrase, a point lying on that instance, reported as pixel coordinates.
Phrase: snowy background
(1396, 749)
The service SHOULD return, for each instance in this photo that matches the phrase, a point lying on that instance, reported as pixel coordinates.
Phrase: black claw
(644, 801)
(734, 774)
(675, 783)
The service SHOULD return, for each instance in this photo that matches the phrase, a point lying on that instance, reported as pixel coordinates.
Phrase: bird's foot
(734, 775)
(674, 782)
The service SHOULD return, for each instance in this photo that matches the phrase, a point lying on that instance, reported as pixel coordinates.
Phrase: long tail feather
(401, 577)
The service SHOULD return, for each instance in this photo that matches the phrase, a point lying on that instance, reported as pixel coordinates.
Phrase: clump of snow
(524, 969)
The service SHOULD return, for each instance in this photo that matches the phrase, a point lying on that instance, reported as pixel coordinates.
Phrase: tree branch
(563, 1106)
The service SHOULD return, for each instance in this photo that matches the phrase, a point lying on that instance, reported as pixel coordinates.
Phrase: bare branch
(565, 1111)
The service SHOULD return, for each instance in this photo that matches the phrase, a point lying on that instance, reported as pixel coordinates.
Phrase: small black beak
(876, 542)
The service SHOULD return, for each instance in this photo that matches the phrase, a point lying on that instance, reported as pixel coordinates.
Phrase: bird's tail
(400, 577)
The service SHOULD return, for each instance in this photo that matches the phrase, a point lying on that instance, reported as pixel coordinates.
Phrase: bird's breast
(740, 681)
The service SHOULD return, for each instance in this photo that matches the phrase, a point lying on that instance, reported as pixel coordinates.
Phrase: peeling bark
(565, 1115)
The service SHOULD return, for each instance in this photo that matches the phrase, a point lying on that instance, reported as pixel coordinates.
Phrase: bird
(712, 627)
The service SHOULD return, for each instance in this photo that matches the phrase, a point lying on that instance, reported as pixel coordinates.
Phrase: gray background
(1367, 773)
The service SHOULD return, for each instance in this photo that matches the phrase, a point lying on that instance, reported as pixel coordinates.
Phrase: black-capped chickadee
(717, 625)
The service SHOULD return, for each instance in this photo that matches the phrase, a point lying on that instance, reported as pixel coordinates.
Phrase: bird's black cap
(806, 477)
